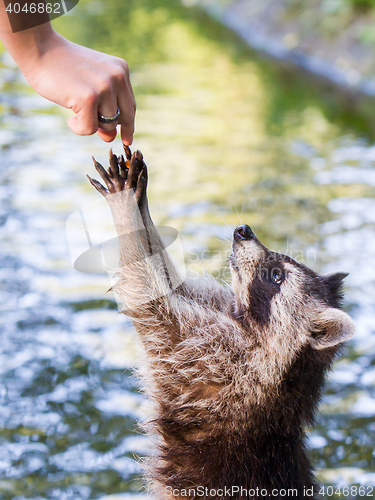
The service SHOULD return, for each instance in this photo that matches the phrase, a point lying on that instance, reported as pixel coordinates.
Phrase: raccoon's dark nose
(243, 232)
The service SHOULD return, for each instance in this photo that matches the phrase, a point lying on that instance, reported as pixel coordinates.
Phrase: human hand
(85, 81)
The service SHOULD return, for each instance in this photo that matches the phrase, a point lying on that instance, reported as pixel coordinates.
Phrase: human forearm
(26, 47)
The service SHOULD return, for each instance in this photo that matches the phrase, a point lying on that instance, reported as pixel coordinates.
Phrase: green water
(228, 138)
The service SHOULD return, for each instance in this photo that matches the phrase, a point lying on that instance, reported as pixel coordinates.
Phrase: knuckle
(128, 127)
(124, 66)
(90, 97)
(122, 70)
(118, 73)
(105, 87)
(100, 87)
(127, 121)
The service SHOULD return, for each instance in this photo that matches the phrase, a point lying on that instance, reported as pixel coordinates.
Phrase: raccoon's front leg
(124, 186)
(154, 242)
(146, 273)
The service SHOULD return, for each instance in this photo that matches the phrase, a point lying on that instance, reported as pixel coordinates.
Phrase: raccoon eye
(277, 276)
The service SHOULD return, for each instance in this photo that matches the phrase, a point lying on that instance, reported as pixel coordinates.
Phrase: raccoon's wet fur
(235, 373)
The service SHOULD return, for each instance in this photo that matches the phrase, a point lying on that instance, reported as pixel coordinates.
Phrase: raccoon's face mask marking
(274, 292)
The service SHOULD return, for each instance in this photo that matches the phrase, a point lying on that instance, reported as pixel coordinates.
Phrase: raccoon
(235, 373)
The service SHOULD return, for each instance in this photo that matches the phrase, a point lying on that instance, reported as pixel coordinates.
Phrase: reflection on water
(227, 137)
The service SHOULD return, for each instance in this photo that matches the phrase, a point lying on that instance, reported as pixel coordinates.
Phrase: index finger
(127, 134)
(127, 106)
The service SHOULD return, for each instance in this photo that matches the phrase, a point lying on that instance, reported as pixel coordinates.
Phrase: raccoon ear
(331, 327)
(334, 284)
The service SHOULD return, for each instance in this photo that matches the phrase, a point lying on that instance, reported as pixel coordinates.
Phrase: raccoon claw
(118, 179)
(123, 167)
(99, 187)
(106, 176)
(127, 152)
(135, 168)
(122, 174)
(141, 184)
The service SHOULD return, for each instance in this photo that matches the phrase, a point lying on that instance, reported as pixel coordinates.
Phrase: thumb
(84, 123)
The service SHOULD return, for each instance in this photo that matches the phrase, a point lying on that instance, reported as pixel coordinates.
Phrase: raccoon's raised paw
(129, 173)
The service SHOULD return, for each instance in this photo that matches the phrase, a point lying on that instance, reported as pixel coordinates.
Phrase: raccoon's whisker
(238, 215)
(243, 204)
(216, 221)
(225, 239)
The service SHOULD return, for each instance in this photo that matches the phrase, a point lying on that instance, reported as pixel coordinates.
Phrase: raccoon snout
(243, 232)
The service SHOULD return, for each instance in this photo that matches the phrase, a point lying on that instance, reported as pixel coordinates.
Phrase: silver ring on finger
(109, 119)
